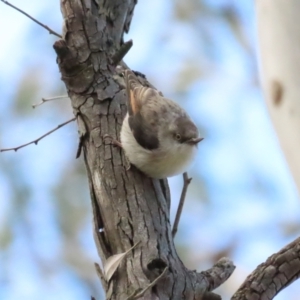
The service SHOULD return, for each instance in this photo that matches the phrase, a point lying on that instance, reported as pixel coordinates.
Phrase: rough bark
(271, 277)
(128, 207)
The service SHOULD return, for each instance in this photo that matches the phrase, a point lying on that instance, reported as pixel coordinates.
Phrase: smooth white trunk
(278, 23)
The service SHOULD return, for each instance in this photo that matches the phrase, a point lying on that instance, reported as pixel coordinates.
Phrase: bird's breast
(159, 163)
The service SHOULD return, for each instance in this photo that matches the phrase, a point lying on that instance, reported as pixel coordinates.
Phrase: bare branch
(121, 52)
(186, 182)
(219, 273)
(272, 276)
(38, 139)
(129, 205)
(33, 19)
(49, 99)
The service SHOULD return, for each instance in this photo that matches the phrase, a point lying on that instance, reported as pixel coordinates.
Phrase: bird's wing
(142, 110)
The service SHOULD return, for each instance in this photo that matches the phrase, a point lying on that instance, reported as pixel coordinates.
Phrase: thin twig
(49, 99)
(38, 139)
(186, 182)
(33, 19)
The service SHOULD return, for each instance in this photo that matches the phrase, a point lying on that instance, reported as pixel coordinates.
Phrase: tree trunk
(128, 207)
(279, 44)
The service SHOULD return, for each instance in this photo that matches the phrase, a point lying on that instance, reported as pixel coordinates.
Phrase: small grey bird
(157, 135)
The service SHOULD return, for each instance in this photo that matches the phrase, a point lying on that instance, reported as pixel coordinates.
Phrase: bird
(157, 135)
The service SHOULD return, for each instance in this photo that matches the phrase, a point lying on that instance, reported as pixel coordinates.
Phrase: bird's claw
(112, 140)
(116, 143)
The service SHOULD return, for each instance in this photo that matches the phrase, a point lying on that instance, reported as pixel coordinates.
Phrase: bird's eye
(177, 136)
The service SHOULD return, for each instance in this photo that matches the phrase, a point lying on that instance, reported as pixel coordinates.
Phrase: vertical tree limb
(128, 207)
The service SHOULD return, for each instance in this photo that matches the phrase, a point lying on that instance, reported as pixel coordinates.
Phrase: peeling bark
(128, 207)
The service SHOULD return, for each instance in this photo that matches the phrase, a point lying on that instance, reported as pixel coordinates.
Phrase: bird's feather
(143, 119)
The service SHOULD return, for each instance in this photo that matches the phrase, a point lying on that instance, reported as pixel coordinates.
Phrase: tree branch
(120, 54)
(49, 99)
(272, 276)
(186, 182)
(38, 139)
(33, 19)
(127, 205)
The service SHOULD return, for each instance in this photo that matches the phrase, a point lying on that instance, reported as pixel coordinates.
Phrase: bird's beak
(195, 141)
